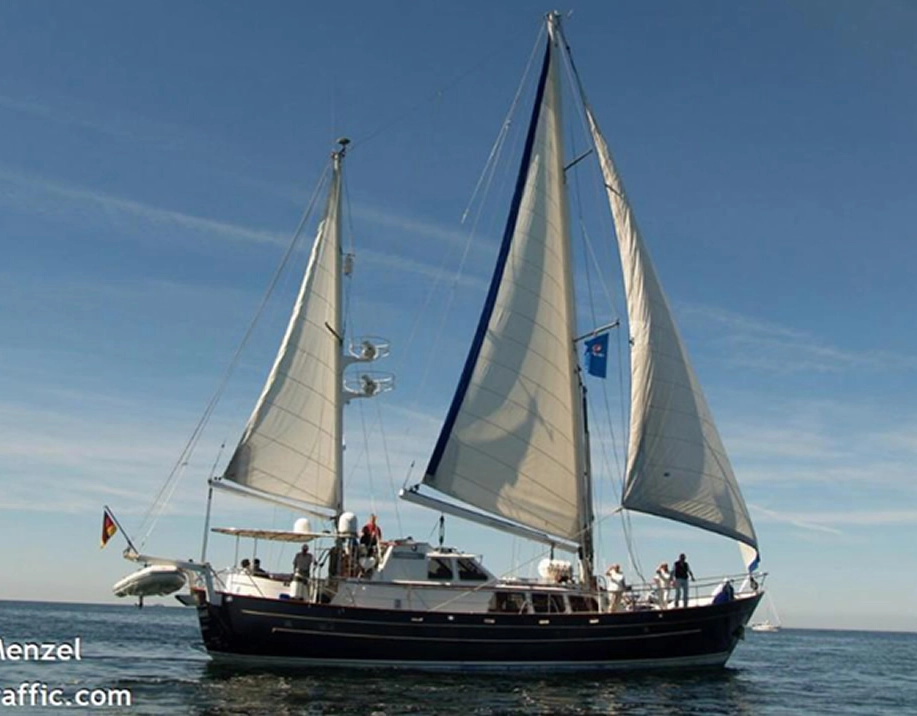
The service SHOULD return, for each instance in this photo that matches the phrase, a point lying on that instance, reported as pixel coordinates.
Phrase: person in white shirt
(616, 586)
(662, 581)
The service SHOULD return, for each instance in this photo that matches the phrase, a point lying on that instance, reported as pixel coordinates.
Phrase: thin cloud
(419, 268)
(768, 346)
(109, 120)
(833, 521)
(47, 198)
(901, 438)
(806, 522)
(417, 227)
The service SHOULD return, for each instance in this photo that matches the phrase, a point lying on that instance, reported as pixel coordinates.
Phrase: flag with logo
(597, 355)
(108, 527)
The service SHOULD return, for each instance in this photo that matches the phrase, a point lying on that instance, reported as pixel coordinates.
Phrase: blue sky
(154, 161)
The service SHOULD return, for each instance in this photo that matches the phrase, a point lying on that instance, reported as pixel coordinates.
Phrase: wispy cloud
(835, 521)
(404, 264)
(111, 121)
(73, 454)
(419, 227)
(768, 346)
(802, 521)
(43, 197)
(40, 196)
(900, 438)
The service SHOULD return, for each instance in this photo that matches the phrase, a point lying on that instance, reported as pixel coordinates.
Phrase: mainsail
(291, 444)
(512, 442)
(677, 466)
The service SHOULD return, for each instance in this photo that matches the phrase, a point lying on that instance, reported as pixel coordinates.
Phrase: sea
(154, 658)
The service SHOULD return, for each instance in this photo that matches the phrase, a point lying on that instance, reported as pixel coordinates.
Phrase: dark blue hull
(269, 630)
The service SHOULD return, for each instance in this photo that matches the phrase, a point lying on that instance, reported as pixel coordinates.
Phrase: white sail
(291, 445)
(677, 466)
(512, 442)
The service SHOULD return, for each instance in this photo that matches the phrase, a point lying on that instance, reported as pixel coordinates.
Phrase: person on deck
(662, 581)
(257, 570)
(682, 572)
(302, 570)
(616, 586)
(371, 535)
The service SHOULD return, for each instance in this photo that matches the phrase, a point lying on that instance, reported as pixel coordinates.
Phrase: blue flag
(597, 355)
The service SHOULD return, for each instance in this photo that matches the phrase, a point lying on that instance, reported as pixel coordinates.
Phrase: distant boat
(766, 625)
(513, 454)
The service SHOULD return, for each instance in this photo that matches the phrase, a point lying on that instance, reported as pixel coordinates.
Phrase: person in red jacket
(371, 535)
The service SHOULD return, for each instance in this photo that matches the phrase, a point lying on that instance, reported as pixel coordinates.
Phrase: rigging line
(489, 172)
(508, 175)
(166, 491)
(388, 467)
(584, 235)
(600, 198)
(626, 519)
(490, 169)
(504, 128)
(397, 119)
(369, 471)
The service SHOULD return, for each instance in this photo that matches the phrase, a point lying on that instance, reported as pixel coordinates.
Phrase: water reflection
(225, 689)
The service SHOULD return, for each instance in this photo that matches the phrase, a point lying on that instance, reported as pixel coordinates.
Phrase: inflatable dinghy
(153, 581)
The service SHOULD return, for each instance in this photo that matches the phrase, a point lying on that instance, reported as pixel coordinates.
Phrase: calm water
(156, 654)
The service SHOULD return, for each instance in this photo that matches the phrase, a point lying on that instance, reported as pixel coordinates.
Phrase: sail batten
(291, 445)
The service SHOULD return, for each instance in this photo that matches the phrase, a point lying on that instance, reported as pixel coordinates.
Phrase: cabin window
(547, 603)
(470, 571)
(583, 604)
(439, 568)
(507, 602)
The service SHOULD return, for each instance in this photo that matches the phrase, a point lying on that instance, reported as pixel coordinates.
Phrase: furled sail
(677, 466)
(291, 445)
(512, 441)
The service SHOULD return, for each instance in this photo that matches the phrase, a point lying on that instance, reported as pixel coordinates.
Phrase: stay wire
(626, 520)
(162, 498)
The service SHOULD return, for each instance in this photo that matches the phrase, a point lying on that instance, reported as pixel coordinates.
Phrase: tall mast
(337, 327)
(585, 510)
(366, 350)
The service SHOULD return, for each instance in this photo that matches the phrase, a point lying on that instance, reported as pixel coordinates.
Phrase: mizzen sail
(512, 441)
(291, 444)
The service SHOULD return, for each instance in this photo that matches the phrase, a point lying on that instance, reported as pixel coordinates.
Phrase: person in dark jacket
(681, 572)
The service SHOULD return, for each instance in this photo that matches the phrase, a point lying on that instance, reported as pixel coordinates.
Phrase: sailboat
(513, 455)
(766, 624)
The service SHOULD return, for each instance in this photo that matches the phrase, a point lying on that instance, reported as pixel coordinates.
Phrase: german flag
(108, 528)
